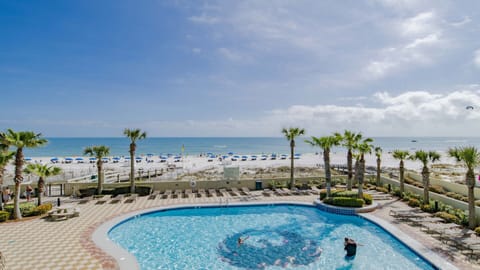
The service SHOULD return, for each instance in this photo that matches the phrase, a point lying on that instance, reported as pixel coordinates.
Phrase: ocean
(63, 147)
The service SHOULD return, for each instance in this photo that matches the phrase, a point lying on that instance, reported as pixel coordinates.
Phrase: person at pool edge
(240, 241)
(350, 247)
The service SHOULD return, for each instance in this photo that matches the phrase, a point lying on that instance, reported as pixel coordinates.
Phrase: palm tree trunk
(2, 168)
(18, 180)
(426, 185)
(361, 175)
(349, 168)
(355, 179)
(378, 171)
(402, 179)
(132, 168)
(100, 176)
(292, 179)
(41, 184)
(328, 174)
(470, 179)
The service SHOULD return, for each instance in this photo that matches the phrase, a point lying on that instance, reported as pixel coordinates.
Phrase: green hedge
(4, 216)
(413, 202)
(26, 209)
(448, 217)
(344, 201)
(42, 209)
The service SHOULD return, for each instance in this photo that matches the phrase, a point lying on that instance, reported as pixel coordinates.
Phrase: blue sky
(240, 68)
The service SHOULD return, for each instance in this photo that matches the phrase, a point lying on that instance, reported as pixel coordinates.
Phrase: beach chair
(132, 198)
(117, 199)
(188, 193)
(85, 200)
(246, 191)
(437, 228)
(201, 193)
(223, 192)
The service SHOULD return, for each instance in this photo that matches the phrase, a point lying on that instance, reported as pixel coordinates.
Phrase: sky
(240, 68)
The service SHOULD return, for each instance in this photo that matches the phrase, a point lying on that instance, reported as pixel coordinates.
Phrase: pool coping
(126, 261)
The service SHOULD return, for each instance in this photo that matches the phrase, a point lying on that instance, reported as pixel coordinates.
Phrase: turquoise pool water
(277, 237)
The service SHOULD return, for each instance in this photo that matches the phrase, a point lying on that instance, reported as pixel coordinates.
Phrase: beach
(192, 164)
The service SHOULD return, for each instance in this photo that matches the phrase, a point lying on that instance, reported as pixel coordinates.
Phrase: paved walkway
(41, 244)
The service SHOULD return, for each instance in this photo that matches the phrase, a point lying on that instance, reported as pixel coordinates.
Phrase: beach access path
(41, 244)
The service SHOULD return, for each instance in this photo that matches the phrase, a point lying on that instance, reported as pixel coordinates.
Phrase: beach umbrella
(55, 159)
(137, 158)
(93, 158)
(28, 159)
(230, 153)
(127, 158)
(116, 158)
(150, 155)
(69, 159)
(79, 159)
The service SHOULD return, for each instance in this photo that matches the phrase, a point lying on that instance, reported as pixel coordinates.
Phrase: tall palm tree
(291, 134)
(133, 135)
(425, 158)
(350, 140)
(42, 171)
(470, 157)
(20, 140)
(5, 157)
(401, 155)
(378, 153)
(98, 152)
(326, 143)
(363, 148)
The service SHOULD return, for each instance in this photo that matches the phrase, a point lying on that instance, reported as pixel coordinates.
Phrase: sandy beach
(194, 164)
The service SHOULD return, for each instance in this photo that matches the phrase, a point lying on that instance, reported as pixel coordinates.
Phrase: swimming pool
(277, 237)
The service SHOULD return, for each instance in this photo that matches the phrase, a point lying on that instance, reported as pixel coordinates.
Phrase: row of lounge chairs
(450, 234)
(189, 193)
(110, 199)
(287, 192)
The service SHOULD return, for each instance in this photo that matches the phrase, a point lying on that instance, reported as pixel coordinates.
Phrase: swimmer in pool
(240, 241)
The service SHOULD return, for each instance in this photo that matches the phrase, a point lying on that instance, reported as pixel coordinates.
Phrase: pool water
(275, 237)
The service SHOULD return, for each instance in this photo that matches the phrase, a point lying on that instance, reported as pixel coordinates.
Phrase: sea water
(119, 146)
(275, 237)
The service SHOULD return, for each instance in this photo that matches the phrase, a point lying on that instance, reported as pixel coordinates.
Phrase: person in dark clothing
(350, 247)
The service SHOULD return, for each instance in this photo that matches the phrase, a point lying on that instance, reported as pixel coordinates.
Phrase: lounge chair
(201, 193)
(234, 192)
(246, 191)
(418, 221)
(286, 192)
(103, 199)
(437, 228)
(64, 213)
(131, 198)
(117, 199)
(223, 192)
(178, 193)
(267, 192)
(167, 194)
(188, 193)
(154, 195)
(85, 200)
(212, 193)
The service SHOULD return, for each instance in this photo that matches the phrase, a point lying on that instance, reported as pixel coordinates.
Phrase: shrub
(413, 202)
(437, 189)
(396, 192)
(347, 193)
(447, 217)
(367, 198)
(344, 201)
(42, 209)
(428, 208)
(381, 189)
(4, 216)
(477, 230)
(26, 209)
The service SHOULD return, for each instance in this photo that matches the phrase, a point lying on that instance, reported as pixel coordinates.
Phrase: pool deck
(38, 243)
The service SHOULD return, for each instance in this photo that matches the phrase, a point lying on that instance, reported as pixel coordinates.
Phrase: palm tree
(378, 153)
(42, 171)
(291, 134)
(5, 157)
(401, 155)
(133, 135)
(20, 140)
(470, 156)
(326, 144)
(425, 157)
(98, 152)
(363, 148)
(350, 140)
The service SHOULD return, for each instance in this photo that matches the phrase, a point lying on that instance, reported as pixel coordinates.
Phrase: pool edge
(126, 261)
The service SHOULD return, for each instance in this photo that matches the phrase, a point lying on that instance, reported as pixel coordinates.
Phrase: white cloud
(196, 50)
(476, 58)
(234, 56)
(463, 22)
(204, 19)
(421, 24)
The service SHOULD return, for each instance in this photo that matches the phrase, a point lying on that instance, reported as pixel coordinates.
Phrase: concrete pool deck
(41, 244)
